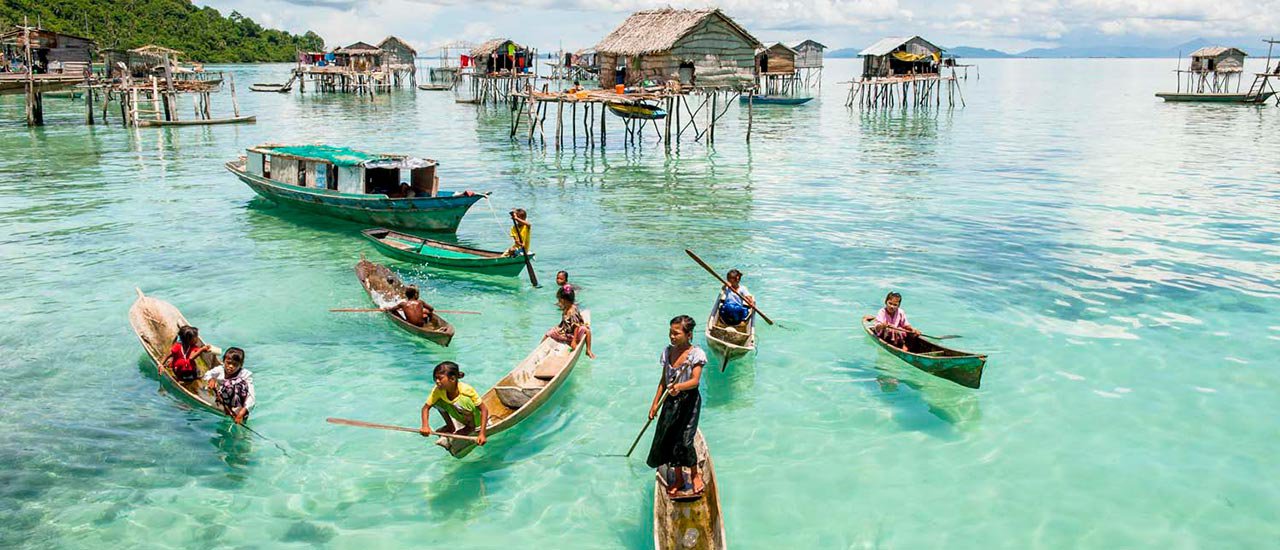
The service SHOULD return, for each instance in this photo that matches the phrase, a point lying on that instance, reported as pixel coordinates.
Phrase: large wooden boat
(961, 367)
(731, 342)
(353, 185)
(639, 111)
(385, 289)
(1217, 98)
(199, 121)
(411, 248)
(774, 100)
(525, 389)
(156, 323)
(689, 524)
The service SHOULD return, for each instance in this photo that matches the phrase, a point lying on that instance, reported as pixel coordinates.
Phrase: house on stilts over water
(498, 68)
(776, 70)
(809, 63)
(902, 72)
(39, 61)
(1216, 75)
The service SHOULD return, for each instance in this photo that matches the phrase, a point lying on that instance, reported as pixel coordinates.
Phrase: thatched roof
(885, 46)
(360, 48)
(653, 31)
(491, 46)
(1215, 51)
(396, 41)
(152, 49)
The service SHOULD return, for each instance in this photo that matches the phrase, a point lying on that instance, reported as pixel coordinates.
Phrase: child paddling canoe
(891, 323)
(460, 406)
(673, 445)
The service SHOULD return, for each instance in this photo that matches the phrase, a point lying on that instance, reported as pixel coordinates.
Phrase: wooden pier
(922, 90)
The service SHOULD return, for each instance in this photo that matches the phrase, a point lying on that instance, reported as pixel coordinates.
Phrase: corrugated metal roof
(884, 46)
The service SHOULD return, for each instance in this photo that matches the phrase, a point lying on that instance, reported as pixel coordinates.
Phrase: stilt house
(51, 52)
(809, 54)
(1218, 59)
(900, 55)
(398, 54)
(361, 57)
(701, 48)
(501, 55)
(776, 59)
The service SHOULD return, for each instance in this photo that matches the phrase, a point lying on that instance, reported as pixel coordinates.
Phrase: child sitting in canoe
(519, 239)
(460, 406)
(736, 300)
(183, 354)
(572, 329)
(417, 312)
(682, 364)
(891, 323)
(232, 385)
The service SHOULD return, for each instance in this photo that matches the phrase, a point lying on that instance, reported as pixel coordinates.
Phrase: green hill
(203, 34)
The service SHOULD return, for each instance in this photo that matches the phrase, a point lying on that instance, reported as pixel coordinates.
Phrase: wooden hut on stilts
(776, 72)
(38, 61)
(399, 60)
(903, 72)
(809, 63)
(498, 68)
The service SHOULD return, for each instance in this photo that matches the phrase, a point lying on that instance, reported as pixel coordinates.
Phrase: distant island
(202, 34)
(1180, 50)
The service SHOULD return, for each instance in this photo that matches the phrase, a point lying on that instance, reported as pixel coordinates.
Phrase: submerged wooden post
(750, 114)
(711, 140)
(603, 133)
(235, 105)
(88, 97)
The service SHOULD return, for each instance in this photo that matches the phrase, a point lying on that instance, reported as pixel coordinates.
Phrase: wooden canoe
(412, 248)
(199, 122)
(731, 342)
(775, 100)
(1216, 97)
(689, 524)
(961, 367)
(637, 111)
(435, 87)
(277, 88)
(525, 389)
(156, 323)
(385, 289)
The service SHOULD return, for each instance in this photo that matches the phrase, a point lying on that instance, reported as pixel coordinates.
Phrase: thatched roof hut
(499, 55)
(397, 51)
(1218, 59)
(898, 55)
(360, 56)
(701, 47)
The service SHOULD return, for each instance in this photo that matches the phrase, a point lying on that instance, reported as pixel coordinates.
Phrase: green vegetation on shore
(202, 33)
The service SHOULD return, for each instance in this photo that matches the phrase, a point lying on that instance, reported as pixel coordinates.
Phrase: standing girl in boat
(573, 329)
(682, 364)
(232, 385)
(460, 406)
(891, 323)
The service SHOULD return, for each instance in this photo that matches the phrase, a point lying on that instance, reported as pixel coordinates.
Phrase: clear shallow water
(1115, 255)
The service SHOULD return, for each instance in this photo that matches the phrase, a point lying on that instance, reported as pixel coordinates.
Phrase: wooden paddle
(931, 337)
(359, 424)
(524, 250)
(725, 283)
(372, 310)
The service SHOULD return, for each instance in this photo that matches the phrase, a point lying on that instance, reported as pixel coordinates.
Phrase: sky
(1009, 25)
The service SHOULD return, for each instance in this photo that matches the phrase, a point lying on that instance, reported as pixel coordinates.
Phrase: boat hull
(960, 367)
(200, 122)
(638, 112)
(429, 214)
(726, 341)
(763, 100)
(389, 293)
(433, 253)
(689, 525)
(1215, 98)
(156, 322)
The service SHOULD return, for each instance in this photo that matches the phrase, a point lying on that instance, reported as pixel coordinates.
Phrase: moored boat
(774, 100)
(199, 121)
(156, 324)
(689, 524)
(525, 389)
(385, 289)
(731, 342)
(961, 367)
(435, 87)
(271, 87)
(1216, 97)
(412, 248)
(353, 185)
(639, 111)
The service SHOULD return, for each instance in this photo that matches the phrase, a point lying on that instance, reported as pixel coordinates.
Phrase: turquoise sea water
(1117, 256)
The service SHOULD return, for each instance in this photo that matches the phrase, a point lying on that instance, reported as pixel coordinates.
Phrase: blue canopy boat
(775, 100)
(377, 189)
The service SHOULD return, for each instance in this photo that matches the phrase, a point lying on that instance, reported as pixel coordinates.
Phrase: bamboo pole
(235, 105)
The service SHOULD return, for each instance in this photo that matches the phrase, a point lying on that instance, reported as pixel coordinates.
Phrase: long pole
(524, 251)
(724, 282)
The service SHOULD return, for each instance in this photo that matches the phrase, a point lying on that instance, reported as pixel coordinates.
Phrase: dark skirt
(677, 425)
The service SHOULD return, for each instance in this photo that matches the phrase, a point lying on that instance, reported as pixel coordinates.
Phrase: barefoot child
(459, 405)
(519, 239)
(573, 328)
(682, 364)
(183, 354)
(232, 385)
(417, 312)
(891, 323)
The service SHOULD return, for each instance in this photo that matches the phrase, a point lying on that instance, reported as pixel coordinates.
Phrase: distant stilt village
(672, 74)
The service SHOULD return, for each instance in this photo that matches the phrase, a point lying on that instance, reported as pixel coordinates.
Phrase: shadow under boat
(899, 384)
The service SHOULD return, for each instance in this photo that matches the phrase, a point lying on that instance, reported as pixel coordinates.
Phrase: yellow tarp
(912, 57)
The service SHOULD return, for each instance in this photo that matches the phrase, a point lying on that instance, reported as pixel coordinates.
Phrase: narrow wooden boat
(525, 389)
(385, 289)
(435, 87)
(961, 367)
(1216, 98)
(156, 323)
(267, 87)
(774, 100)
(411, 248)
(638, 111)
(731, 342)
(353, 185)
(689, 524)
(199, 122)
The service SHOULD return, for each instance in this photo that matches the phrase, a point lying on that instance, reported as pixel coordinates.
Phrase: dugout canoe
(731, 342)
(385, 289)
(525, 389)
(1216, 98)
(639, 111)
(271, 87)
(440, 254)
(771, 100)
(156, 324)
(689, 524)
(961, 367)
(435, 87)
(199, 122)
